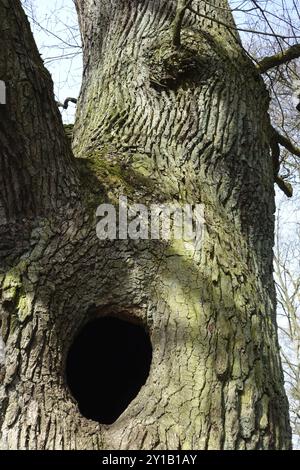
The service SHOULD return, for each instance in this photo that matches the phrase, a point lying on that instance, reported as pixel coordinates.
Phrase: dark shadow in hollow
(106, 366)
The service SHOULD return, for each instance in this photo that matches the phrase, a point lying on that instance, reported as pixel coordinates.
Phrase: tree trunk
(187, 125)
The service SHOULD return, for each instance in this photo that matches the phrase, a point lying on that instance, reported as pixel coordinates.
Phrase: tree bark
(157, 124)
(35, 172)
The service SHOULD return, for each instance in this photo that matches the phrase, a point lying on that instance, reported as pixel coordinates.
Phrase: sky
(54, 25)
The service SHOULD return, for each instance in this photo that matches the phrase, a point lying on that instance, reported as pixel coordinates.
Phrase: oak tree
(171, 110)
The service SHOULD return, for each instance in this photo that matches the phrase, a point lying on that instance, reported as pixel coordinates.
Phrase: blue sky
(59, 44)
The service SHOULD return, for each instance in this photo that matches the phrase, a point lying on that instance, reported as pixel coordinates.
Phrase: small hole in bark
(106, 366)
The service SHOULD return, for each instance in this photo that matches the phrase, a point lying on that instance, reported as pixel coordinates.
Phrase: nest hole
(107, 364)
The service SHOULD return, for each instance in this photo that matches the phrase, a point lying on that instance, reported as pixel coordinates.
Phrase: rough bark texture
(187, 126)
(35, 172)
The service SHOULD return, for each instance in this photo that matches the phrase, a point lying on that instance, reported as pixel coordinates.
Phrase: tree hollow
(107, 364)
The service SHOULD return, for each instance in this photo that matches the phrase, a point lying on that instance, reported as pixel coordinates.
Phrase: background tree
(287, 282)
(184, 122)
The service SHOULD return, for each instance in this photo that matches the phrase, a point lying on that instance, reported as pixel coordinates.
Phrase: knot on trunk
(191, 64)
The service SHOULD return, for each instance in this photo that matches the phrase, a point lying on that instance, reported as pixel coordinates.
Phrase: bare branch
(285, 142)
(283, 57)
(285, 186)
(244, 30)
(182, 5)
(65, 104)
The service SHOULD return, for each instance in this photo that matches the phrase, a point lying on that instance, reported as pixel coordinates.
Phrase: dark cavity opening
(106, 366)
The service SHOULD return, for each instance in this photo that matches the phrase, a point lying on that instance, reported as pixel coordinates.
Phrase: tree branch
(277, 139)
(286, 143)
(269, 62)
(244, 30)
(182, 5)
(65, 104)
(285, 186)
